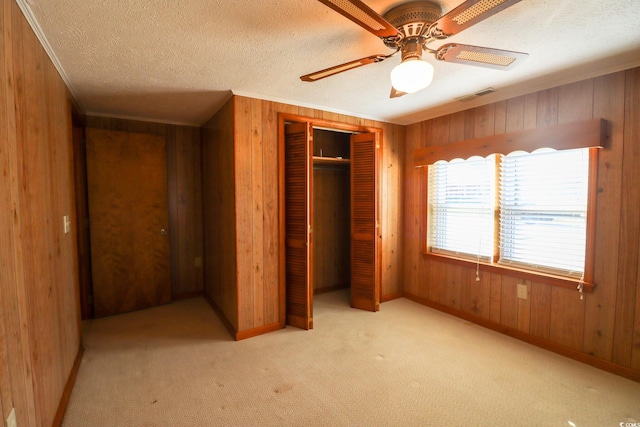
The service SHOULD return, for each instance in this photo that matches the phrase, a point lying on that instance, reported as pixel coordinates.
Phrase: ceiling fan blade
(480, 56)
(467, 14)
(363, 15)
(312, 77)
(396, 93)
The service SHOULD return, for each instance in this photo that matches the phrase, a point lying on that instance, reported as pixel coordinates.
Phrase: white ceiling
(178, 62)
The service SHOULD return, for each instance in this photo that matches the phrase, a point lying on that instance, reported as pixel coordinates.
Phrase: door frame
(321, 124)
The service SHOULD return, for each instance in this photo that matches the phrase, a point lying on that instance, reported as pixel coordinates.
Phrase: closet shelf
(329, 160)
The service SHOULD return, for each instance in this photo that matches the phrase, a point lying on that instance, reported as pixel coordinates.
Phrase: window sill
(547, 279)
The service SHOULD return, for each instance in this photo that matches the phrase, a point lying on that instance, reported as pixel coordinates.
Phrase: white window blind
(543, 210)
(461, 204)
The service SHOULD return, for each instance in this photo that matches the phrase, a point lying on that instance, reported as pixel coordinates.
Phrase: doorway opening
(331, 206)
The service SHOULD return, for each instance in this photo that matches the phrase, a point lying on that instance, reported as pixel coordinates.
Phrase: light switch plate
(66, 224)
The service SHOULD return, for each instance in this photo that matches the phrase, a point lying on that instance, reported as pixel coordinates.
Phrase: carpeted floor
(407, 365)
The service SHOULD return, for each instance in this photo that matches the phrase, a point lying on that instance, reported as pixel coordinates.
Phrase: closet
(331, 207)
(330, 227)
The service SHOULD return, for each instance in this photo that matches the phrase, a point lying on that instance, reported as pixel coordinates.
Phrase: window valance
(588, 134)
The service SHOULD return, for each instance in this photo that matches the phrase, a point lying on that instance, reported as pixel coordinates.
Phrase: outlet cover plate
(522, 291)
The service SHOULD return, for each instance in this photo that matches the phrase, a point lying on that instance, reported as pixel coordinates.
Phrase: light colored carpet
(407, 365)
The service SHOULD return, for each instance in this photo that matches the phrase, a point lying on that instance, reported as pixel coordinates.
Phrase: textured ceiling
(178, 62)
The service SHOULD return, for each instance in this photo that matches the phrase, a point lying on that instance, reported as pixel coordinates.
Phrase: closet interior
(331, 220)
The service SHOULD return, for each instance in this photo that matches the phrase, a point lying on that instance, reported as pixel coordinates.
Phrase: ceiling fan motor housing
(412, 18)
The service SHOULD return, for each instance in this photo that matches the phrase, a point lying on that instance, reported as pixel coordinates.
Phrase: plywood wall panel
(455, 125)
(436, 287)
(476, 294)
(321, 238)
(547, 108)
(484, 123)
(392, 161)
(500, 122)
(270, 209)
(7, 257)
(627, 328)
(454, 278)
(257, 212)
(530, 116)
(567, 318)
(495, 298)
(219, 210)
(600, 307)
(515, 114)
(14, 320)
(39, 284)
(509, 302)
(411, 208)
(540, 296)
(244, 212)
(5, 384)
(331, 227)
(188, 199)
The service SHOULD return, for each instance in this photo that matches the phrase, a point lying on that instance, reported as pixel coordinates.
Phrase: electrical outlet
(11, 419)
(522, 291)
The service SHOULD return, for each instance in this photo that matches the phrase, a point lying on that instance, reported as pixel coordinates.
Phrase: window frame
(591, 134)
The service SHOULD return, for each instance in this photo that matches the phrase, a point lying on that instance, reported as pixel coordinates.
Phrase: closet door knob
(163, 232)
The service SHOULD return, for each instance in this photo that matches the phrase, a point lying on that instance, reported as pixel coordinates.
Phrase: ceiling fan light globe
(411, 75)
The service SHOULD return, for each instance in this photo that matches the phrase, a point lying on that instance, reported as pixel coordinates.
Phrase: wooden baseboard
(390, 297)
(242, 335)
(571, 353)
(66, 393)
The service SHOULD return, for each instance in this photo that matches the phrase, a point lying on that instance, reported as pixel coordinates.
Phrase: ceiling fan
(410, 27)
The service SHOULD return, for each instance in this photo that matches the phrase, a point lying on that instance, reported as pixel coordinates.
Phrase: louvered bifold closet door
(297, 224)
(365, 271)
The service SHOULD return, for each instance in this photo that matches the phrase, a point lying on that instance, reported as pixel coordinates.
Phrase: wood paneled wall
(246, 130)
(331, 227)
(39, 316)
(185, 197)
(219, 200)
(605, 325)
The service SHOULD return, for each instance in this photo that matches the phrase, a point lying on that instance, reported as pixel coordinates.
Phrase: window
(543, 210)
(532, 233)
(523, 210)
(461, 207)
